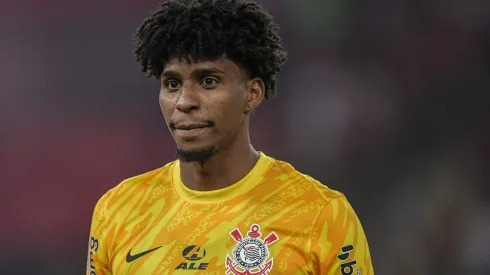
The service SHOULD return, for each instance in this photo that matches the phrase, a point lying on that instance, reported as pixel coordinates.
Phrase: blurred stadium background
(387, 101)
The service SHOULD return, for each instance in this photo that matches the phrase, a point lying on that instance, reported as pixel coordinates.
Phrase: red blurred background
(386, 101)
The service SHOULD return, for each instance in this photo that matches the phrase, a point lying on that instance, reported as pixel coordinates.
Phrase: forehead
(229, 67)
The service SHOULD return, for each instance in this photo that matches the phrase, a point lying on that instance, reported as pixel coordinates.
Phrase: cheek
(165, 105)
(231, 115)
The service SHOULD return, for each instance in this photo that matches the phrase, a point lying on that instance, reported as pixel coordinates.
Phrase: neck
(228, 166)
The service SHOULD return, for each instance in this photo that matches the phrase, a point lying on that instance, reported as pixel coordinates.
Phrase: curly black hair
(205, 30)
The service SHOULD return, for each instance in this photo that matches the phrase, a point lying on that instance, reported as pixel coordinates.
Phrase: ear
(255, 94)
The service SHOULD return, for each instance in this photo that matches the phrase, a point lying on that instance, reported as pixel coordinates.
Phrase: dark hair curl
(204, 30)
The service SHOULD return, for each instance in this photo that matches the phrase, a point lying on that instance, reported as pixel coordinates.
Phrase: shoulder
(286, 173)
(134, 185)
(161, 174)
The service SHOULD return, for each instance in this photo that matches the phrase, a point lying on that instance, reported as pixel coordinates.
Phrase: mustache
(208, 122)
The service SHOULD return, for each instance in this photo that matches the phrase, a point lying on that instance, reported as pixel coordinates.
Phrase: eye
(172, 84)
(209, 82)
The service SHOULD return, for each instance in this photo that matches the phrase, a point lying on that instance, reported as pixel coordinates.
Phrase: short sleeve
(97, 258)
(339, 245)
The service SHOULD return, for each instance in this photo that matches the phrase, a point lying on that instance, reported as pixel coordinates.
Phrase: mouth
(190, 131)
(189, 127)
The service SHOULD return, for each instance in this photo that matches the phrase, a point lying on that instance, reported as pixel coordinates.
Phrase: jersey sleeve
(97, 258)
(339, 244)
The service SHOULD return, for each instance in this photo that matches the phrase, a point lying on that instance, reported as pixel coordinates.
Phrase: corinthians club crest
(250, 254)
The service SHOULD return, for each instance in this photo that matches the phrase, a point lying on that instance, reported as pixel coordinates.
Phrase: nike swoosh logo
(130, 258)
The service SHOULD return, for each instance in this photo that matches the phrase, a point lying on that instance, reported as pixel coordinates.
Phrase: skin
(208, 105)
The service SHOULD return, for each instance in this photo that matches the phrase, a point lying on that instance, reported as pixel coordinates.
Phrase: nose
(188, 100)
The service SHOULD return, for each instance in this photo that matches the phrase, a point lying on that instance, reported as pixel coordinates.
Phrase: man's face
(204, 105)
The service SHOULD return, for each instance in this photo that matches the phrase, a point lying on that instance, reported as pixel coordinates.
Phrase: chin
(201, 154)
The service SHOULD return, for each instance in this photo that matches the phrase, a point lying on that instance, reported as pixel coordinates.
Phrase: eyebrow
(170, 74)
(197, 74)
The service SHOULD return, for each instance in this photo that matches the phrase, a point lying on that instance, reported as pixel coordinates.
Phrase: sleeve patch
(347, 267)
(93, 248)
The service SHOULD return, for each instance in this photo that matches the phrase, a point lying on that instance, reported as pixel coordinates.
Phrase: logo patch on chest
(251, 254)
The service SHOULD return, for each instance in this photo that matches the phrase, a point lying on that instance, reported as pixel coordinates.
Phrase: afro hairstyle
(205, 30)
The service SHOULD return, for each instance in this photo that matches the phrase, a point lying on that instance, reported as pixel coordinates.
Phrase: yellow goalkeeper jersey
(273, 221)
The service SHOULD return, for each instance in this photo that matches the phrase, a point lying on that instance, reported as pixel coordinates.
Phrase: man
(222, 207)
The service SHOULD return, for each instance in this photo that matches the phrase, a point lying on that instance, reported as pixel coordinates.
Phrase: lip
(191, 126)
(191, 130)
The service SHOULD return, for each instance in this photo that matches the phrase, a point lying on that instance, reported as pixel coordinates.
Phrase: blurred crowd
(387, 101)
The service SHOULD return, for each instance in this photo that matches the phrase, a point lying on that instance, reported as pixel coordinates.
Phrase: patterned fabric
(273, 221)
